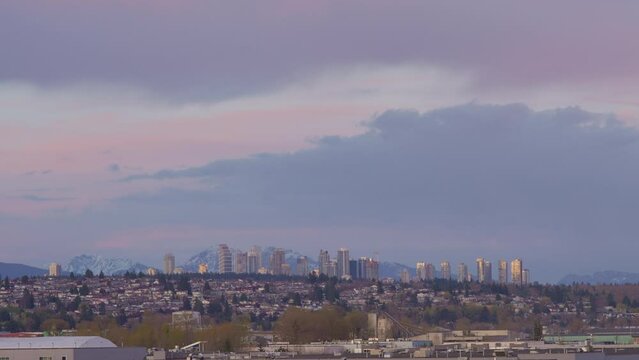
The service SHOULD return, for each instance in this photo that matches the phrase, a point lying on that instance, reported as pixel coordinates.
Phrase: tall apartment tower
(488, 272)
(362, 268)
(324, 262)
(352, 265)
(278, 259)
(372, 269)
(224, 259)
(241, 262)
(484, 270)
(55, 270)
(444, 266)
(430, 272)
(420, 270)
(343, 258)
(169, 263)
(254, 260)
(525, 277)
(462, 272)
(516, 269)
(301, 267)
(503, 272)
(404, 276)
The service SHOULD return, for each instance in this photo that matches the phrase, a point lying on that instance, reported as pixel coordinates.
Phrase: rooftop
(55, 342)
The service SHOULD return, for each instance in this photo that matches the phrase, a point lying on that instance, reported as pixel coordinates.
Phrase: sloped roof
(55, 342)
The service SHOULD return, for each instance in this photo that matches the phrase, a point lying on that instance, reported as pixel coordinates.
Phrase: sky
(418, 131)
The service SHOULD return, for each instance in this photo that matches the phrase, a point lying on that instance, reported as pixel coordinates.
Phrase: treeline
(156, 331)
(299, 326)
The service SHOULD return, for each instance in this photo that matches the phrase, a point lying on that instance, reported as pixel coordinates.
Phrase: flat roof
(55, 342)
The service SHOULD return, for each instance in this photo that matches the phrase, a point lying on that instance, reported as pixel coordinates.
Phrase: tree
(101, 309)
(84, 290)
(101, 275)
(198, 306)
(75, 304)
(186, 303)
(27, 301)
(88, 274)
(538, 331)
(121, 317)
(86, 313)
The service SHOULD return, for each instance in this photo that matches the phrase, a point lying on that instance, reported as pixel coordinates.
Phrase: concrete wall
(126, 353)
(31, 354)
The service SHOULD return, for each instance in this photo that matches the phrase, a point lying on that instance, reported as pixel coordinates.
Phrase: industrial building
(66, 348)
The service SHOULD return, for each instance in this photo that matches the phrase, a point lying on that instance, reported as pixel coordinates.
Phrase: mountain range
(602, 277)
(98, 263)
(117, 266)
(17, 270)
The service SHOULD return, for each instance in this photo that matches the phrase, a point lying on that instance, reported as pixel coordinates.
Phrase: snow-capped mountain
(208, 257)
(96, 263)
(393, 269)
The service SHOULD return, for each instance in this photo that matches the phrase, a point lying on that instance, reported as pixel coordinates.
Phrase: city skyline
(421, 131)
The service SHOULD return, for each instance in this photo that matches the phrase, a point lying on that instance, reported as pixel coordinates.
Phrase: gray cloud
(39, 198)
(504, 179)
(113, 168)
(222, 49)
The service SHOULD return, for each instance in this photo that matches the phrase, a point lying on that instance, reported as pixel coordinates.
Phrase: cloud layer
(472, 180)
(209, 49)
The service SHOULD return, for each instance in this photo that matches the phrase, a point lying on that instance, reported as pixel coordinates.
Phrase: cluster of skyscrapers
(253, 261)
(344, 267)
(484, 272)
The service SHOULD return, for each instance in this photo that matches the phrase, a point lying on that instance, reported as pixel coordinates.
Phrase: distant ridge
(96, 263)
(18, 270)
(602, 277)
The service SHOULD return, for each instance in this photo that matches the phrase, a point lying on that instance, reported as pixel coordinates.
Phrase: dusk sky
(418, 130)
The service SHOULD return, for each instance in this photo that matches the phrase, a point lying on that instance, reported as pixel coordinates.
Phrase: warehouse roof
(55, 342)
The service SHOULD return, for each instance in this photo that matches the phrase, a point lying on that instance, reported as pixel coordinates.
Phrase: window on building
(46, 358)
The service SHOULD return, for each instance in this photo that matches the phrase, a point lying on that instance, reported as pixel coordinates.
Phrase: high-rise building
(331, 270)
(430, 271)
(352, 265)
(241, 262)
(462, 272)
(169, 263)
(420, 270)
(516, 269)
(203, 268)
(362, 264)
(224, 259)
(372, 269)
(525, 277)
(404, 276)
(55, 270)
(285, 269)
(324, 262)
(278, 258)
(445, 270)
(302, 266)
(484, 271)
(254, 261)
(343, 258)
(503, 272)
